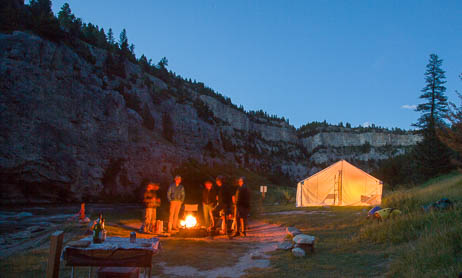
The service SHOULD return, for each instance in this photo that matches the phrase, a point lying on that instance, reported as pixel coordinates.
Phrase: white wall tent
(340, 184)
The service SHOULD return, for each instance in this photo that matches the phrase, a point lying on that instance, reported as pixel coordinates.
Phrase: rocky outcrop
(350, 138)
(72, 129)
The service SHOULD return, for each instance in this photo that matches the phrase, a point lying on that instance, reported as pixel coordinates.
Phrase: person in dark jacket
(209, 198)
(151, 202)
(242, 197)
(222, 208)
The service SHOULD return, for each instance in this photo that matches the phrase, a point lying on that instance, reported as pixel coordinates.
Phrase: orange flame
(189, 222)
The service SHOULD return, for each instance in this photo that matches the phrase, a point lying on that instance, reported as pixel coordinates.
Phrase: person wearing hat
(175, 196)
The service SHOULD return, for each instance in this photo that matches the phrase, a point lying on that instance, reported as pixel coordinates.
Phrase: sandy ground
(265, 237)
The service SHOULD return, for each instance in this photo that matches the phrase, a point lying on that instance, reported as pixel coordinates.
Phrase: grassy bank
(430, 244)
(415, 244)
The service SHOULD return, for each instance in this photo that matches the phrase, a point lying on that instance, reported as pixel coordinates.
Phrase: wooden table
(114, 251)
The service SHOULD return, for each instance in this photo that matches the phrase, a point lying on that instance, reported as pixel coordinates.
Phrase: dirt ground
(216, 257)
(261, 238)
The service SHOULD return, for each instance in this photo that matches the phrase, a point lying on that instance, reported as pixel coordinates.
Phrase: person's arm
(215, 197)
(169, 193)
(182, 194)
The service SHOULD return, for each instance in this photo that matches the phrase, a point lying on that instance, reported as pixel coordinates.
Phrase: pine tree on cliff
(452, 135)
(431, 155)
(12, 15)
(110, 39)
(65, 17)
(123, 42)
(43, 21)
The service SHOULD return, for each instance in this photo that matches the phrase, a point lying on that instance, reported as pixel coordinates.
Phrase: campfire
(189, 222)
(189, 226)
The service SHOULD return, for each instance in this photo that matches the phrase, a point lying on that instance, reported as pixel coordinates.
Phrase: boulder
(293, 231)
(298, 252)
(285, 245)
(304, 239)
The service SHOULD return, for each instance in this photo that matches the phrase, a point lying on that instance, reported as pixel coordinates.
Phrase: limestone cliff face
(72, 130)
(349, 138)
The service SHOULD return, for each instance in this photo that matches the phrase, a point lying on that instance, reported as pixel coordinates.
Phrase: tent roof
(331, 166)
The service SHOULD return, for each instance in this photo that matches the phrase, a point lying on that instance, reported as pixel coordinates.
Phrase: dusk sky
(349, 61)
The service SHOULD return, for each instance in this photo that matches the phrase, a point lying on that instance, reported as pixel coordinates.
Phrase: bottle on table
(103, 231)
(98, 229)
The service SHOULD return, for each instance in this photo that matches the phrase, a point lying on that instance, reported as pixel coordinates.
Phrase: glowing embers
(189, 222)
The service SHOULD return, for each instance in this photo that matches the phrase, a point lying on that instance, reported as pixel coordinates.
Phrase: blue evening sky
(351, 61)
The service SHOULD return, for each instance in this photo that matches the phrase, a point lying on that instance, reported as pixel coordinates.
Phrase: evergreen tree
(65, 17)
(436, 105)
(43, 21)
(163, 63)
(75, 29)
(452, 136)
(123, 41)
(11, 15)
(90, 32)
(131, 53)
(110, 38)
(145, 63)
(431, 155)
(101, 39)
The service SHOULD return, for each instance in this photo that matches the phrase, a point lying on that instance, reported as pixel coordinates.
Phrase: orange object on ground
(82, 211)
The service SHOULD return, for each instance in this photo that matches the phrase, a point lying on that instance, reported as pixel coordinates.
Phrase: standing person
(242, 206)
(175, 195)
(233, 214)
(151, 201)
(222, 204)
(209, 198)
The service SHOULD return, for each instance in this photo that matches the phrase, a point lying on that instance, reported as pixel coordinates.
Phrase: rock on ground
(293, 231)
(285, 245)
(304, 239)
(298, 252)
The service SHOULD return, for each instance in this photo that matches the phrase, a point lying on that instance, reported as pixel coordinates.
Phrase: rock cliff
(72, 129)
